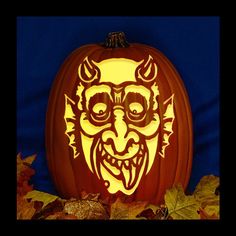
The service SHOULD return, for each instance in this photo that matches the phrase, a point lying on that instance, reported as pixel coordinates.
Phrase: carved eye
(100, 108)
(135, 108)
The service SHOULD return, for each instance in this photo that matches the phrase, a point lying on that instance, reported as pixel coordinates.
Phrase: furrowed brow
(143, 91)
(95, 89)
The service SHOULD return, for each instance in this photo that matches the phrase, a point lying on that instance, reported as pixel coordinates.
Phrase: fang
(103, 152)
(135, 160)
(100, 147)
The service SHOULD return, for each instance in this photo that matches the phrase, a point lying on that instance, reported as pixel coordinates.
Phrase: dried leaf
(61, 216)
(46, 198)
(23, 164)
(162, 213)
(90, 196)
(52, 208)
(85, 209)
(24, 173)
(205, 194)
(181, 206)
(120, 210)
(154, 212)
(28, 160)
(206, 216)
(206, 188)
(147, 214)
(213, 210)
(25, 209)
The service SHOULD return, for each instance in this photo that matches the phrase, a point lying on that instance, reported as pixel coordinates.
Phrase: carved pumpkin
(118, 123)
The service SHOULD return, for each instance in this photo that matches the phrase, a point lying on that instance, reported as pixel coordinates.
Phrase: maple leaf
(85, 209)
(36, 195)
(120, 210)
(206, 188)
(181, 206)
(205, 194)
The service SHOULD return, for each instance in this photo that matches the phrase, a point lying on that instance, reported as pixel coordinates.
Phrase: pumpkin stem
(116, 40)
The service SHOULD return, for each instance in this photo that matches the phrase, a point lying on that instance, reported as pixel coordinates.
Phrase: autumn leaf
(36, 195)
(23, 164)
(25, 210)
(24, 173)
(181, 206)
(34, 204)
(205, 189)
(149, 212)
(205, 194)
(85, 209)
(61, 216)
(205, 216)
(120, 210)
(50, 211)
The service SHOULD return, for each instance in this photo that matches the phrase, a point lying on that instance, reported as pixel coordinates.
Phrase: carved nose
(120, 138)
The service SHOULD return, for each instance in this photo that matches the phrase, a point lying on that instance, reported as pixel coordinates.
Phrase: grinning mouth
(126, 170)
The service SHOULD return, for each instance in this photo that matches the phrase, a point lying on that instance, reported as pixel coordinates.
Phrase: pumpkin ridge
(185, 99)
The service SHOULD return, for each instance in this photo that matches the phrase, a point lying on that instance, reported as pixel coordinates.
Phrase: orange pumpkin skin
(72, 175)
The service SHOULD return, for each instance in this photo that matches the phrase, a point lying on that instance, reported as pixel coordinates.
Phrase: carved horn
(147, 70)
(88, 71)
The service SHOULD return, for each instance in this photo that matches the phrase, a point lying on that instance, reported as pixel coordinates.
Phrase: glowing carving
(118, 119)
(69, 117)
(124, 70)
(147, 71)
(169, 119)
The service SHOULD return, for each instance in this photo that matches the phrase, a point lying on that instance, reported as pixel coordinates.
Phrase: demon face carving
(118, 120)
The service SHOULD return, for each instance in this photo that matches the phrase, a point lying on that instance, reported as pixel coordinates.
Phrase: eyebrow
(140, 89)
(96, 89)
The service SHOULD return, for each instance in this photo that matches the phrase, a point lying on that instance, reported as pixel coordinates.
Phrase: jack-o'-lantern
(118, 123)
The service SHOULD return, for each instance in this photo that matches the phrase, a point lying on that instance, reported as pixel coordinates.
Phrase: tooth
(135, 160)
(119, 163)
(109, 159)
(133, 174)
(139, 160)
(141, 151)
(127, 163)
(142, 147)
(103, 152)
(114, 170)
(113, 160)
(100, 147)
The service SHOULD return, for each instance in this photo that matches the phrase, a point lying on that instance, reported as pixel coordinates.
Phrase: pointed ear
(168, 120)
(70, 120)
